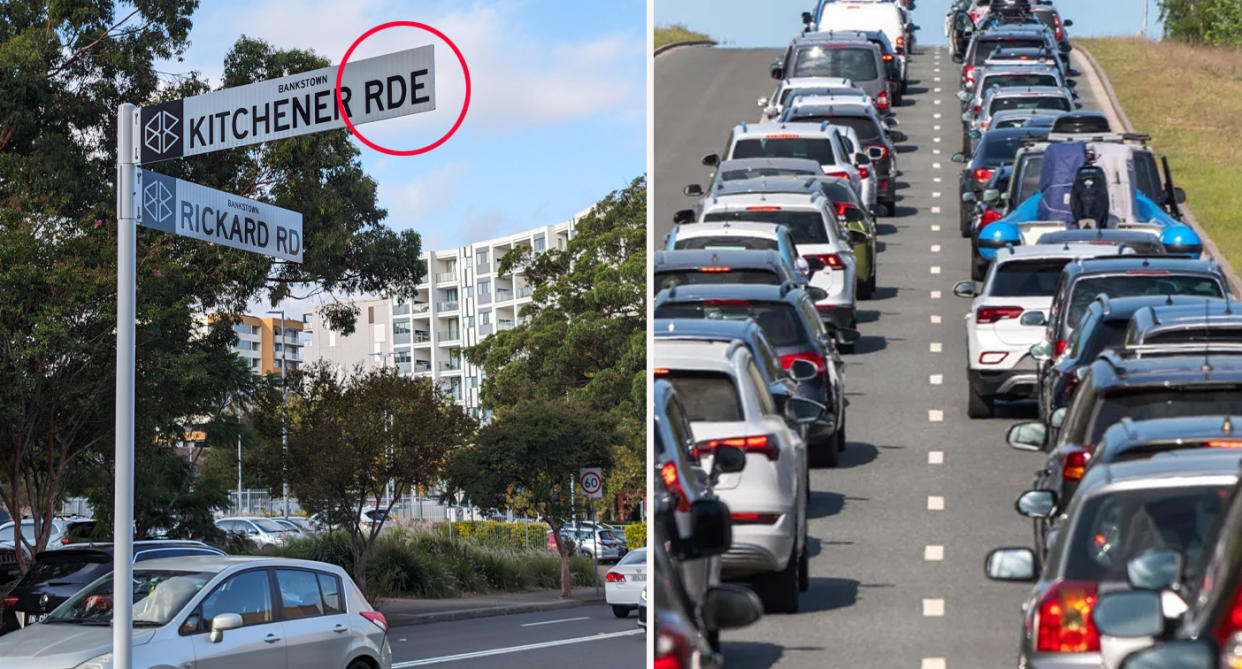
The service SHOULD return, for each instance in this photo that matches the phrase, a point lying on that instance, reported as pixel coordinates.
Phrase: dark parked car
(1187, 322)
(996, 148)
(694, 267)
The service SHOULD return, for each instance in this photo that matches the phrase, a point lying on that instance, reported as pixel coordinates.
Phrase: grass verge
(675, 33)
(1188, 98)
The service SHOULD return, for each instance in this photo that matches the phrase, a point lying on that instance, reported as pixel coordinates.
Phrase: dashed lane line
(933, 608)
(935, 503)
(935, 347)
(935, 416)
(933, 663)
(936, 379)
(935, 294)
(935, 228)
(935, 248)
(935, 319)
(935, 457)
(933, 553)
(935, 269)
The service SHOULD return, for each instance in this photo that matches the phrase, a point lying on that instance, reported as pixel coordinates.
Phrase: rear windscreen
(1192, 335)
(997, 148)
(778, 320)
(758, 172)
(846, 63)
(1035, 278)
(688, 277)
(818, 149)
(731, 242)
(1019, 79)
(868, 130)
(1032, 166)
(984, 48)
(1056, 102)
(1135, 285)
(707, 396)
(806, 227)
(1144, 403)
(77, 570)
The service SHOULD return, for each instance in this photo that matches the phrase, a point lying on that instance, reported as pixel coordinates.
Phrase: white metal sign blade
(191, 210)
(372, 89)
(591, 482)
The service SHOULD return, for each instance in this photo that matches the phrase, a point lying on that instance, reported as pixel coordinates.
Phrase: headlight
(98, 662)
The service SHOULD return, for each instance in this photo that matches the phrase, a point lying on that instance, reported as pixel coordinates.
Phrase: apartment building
(463, 299)
(268, 343)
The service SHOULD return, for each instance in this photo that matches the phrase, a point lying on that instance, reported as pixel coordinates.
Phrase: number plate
(638, 577)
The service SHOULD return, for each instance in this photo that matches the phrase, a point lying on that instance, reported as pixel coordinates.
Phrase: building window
(485, 287)
(481, 260)
(540, 244)
(401, 332)
(370, 314)
(485, 317)
(254, 363)
(469, 322)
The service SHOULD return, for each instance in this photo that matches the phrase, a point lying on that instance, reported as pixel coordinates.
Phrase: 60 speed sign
(591, 482)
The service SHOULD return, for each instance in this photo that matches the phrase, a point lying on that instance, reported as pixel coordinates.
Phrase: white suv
(772, 107)
(728, 403)
(822, 142)
(1008, 316)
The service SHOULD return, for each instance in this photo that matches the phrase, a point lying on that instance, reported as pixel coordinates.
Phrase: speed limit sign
(591, 482)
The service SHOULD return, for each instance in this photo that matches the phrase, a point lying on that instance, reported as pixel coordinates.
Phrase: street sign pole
(126, 324)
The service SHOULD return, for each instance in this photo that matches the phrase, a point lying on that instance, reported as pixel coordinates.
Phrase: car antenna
(1227, 426)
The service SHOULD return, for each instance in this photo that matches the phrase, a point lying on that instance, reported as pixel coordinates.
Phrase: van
(886, 17)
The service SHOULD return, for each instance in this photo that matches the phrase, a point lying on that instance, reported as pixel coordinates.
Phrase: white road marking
(937, 90)
(515, 649)
(935, 127)
(936, 69)
(937, 101)
(932, 608)
(935, 416)
(935, 503)
(935, 166)
(936, 115)
(935, 347)
(935, 457)
(935, 248)
(935, 210)
(935, 319)
(933, 663)
(935, 180)
(551, 622)
(933, 553)
(936, 379)
(935, 152)
(935, 269)
(935, 294)
(935, 228)
(935, 140)
(935, 193)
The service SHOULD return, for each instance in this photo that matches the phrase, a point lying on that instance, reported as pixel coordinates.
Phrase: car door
(259, 643)
(317, 633)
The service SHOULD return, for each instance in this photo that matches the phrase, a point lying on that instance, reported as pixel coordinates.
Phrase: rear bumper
(760, 548)
(1004, 382)
(837, 315)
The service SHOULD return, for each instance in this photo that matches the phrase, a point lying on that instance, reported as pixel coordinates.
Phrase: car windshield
(158, 596)
(1019, 79)
(737, 242)
(777, 319)
(1027, 278)
(269, 526)
(984, 48)
(805, 227)
(818, 149)
(636, 556)
(847, 63)
(707, 396)
(1144, 403)
(867, 130)
(1114, 528)
(730, 276)
(996, 148)
(1029, 102)
(1133, 285)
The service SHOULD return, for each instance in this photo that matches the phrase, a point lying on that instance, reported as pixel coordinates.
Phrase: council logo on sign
(160, 132)
(157, 202)
(161, 129)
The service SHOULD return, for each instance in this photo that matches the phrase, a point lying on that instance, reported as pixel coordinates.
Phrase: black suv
(997, 147)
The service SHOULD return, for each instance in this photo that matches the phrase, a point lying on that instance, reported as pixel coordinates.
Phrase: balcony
(485, 297)
(422, 366)
(525, 291)
(447, 306)
(447, 335)
(485, 329)
(420, 308)
(450, 366)
(504, 294)
(422, 336)
(446, 277)
(504, 324)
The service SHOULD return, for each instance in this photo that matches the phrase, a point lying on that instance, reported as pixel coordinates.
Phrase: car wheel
(620, 611)
(867, 288)
(804, 569)
(978, 405)
(890, 203)
(824, 453)
(779, 589)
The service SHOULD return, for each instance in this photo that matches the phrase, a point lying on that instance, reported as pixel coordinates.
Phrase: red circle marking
(340, 71)
(598, 482)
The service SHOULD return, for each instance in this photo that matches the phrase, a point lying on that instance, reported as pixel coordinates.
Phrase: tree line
(1208, 22)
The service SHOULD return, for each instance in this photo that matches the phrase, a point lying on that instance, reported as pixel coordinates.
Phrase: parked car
(215, 611)
(262, 531)
(720, 264)
(825, 55)
(625, 581)
(996, 147)
(603, 545)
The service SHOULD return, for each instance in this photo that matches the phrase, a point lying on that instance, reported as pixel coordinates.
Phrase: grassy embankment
(1189, 99)
(675, 33)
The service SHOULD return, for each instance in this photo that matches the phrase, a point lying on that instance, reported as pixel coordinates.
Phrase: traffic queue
(756, 304)
(1091, 296)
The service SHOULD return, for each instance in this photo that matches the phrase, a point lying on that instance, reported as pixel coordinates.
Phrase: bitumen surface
(899, 531)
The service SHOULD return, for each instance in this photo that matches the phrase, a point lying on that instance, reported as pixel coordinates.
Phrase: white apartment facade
(463, 298)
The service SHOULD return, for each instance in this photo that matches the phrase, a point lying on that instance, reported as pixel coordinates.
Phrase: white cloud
(422, 197)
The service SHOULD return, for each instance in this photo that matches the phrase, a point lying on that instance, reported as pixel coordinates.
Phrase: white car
(624, 583)
(262, 531)
(822, 142)
(798, 86)
(887, 17)
(728, 403)
(28, 533)
(1008, 316)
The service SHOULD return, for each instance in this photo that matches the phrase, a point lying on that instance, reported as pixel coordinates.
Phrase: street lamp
(284, 404)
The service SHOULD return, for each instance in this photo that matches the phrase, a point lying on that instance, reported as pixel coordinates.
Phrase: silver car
(213, 611)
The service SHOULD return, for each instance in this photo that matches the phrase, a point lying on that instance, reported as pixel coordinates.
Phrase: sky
(558, 109)
(738, 23)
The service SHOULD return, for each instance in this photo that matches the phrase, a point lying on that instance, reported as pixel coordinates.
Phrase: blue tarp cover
(1056, 180)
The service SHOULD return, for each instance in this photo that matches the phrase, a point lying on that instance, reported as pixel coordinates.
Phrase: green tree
(586, 329)
(1211, 22)
(527, 458)
(348, 436)
(64, 69)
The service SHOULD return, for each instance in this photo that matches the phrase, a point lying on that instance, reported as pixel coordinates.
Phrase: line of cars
(756, 294)
(1089, 297)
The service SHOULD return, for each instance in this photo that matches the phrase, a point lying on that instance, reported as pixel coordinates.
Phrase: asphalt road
(563, 638)
(901, 529)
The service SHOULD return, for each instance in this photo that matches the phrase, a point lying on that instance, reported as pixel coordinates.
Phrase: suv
(893, 56)
(822, 55)
(739, 236)
(874, 139)
(1006, 318)
(1017, 97)
(789, 89)
(1010, 37)
(728, 404)
(890, 18)
(997, 147)
(262, 531)
(788, 319)
(817, 141)
(721, 266)
(1189, 321)
(744, 169)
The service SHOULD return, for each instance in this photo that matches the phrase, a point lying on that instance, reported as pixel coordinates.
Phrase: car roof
(818, 82)
(1035, 251)
(1194, 467)
(752, 130)
(786, 183)
(1017, 68)
(707, 228)
(693, 258)
(1122, 263)
(693, 354)
(841, 37)
(1112, 370)
(702, 327)
(829, 104)
(1124, 308)
(746, 291)
(1026, 91)
(777, 198)
(219, 563)
(1191, 428)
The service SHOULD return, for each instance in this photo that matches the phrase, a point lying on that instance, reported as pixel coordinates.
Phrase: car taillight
(764, 444)
(974, 18)
(864, 172)
(883, 150)
(754, 518)
(1059, 347)
(989, 216)
(64, 541)
(668, 474)
(969, 72)
(762, 207)
(725, 303)
(888, 57)
(715, 269)
(1064, 624)
(838, 175)
(1075, 464)
(901, 41)
(672, 646)
(787, 361)
(978, 108)
(881, 100)
(841, 209)
(987, 315)
(984, 124)
(1056, 19)
(614, 577)
(377, 618)
(830, 260)
(982, 174)
(8, 602)
(1231, 621)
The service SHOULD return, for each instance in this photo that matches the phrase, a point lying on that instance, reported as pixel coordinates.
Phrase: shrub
(497, 534)
(636, 535)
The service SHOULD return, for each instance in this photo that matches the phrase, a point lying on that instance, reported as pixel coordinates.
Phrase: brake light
(888, 57)
(1064, 623)
(786, 136)
(715, 269)
(765, 207)
(660, 371)
(725, 303)
(883, 150)
(64, 541)
(881, 100)
(668, 474)
(7, 602)
(982, 174)
(1059, 347)
(984, 125)
(987, 315)
(1231, 621)
(1223, 443)
(1075, 464)
(614, 577)
(841, 208)
(831, 260)
(755, 518)
(672, 646)
(838, 175)
(787, 361)
(1056, 21)
(989, 216)
(864, 172)
(762, 444)
(969, 72)
(377, 618)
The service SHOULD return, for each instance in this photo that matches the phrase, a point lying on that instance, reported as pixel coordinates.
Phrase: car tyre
(358, 664)
(779, 589)
(891, 204)
(840, 436)
(620, 611)
(825, 453)
(867, 288)
(978, 405)
(804, 569)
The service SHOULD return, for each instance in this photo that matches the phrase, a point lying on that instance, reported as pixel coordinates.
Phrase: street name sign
(191, 210)
(372, 89)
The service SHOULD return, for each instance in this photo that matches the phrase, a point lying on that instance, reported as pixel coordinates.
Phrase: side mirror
(968, 196)
(963, 96)
(711, 530)
(777, 71)
(1179, 195)
(1041, 352)
(772, 111)
(1057, 419)
(807, 19)
(1155, 569)
(816, 293)
(875, 153)
(802, 411)
(1028, 436)
(728, 460)
(1036, 504)
(990, 195)
(803, 370)
(862, 159)
(1129, 614)
(958, 158)
(693, 190)
(730, 606)
(1068, 23)
(1011, 564)
(222, 622)
(965, 289)
(898, 136)
(857, 237)
(711, 160)
(1197, 654)
(763, 102)
(683, 216)
(1033, 318)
